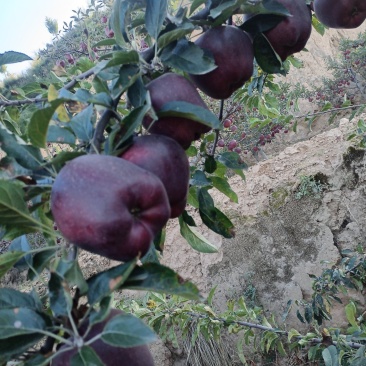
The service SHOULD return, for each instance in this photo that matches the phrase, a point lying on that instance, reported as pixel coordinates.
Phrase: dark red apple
(165, 158)
(109, 206)
(341, 13)
(233, 52)
(292, 33)
(109, 355)
(169, 88)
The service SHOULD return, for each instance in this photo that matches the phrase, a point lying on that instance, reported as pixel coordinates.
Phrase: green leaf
(156, 12)
(27, 156)
(224, 187)
(128, 74)
(213, 218)
(157, 278)
(131, 122)
(104, 283)
(121, 9)
(59, 294)
(175, 34)
(38, 125)
(11, 298)
(12, 57)
(104, 310)
(292, 333)
(188, 57)
(62, 158)
(126, 330)
(195, 5)
(195, 239)
(330, 356)
(261, 23)
(210, 164)
(266, 56)
(20, 321)
(60, 135)
(14, 212)
(105, 42)
(232, 160)
(137, 93)
(223, 11)
(240, 349)
(199, 179)
(21, 244)
(10, 169)
(86, 356)
(188, 219)
(71, 271)
(299, 316)
(40, 261)
(319, 27)
(123, 58)
(351, 311)
(309, 314)
(82, 124)
(190, 111)
(13, 346)
(192, 198)
(7, 261)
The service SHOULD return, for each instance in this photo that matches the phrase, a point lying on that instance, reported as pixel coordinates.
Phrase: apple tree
(99, 156)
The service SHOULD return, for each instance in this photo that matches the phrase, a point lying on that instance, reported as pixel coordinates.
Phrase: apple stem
(221, 113)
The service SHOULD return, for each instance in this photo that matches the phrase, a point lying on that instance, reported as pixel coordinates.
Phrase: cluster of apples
(115, 206)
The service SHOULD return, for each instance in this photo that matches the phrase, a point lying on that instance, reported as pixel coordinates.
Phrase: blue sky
(22, 26)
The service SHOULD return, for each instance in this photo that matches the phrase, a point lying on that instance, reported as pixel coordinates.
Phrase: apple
(292, 33)
(227, 123)
(109, 355)
(109, 32)
(104, 19)
(221, 143)
(171, 87)
(233, 53)
(340, 14)
(109, 206)
(232, 144)
(165, 158)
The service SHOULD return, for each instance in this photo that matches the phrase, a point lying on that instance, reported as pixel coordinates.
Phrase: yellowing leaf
(61, 110)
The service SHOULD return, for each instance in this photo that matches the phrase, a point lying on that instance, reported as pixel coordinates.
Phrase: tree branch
(69, 85)
(9, 103)
(98, 137)
(274, 330)
(330, 111)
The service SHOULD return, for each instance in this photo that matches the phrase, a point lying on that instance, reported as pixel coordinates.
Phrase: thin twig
(217, 132)
(330, 110)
